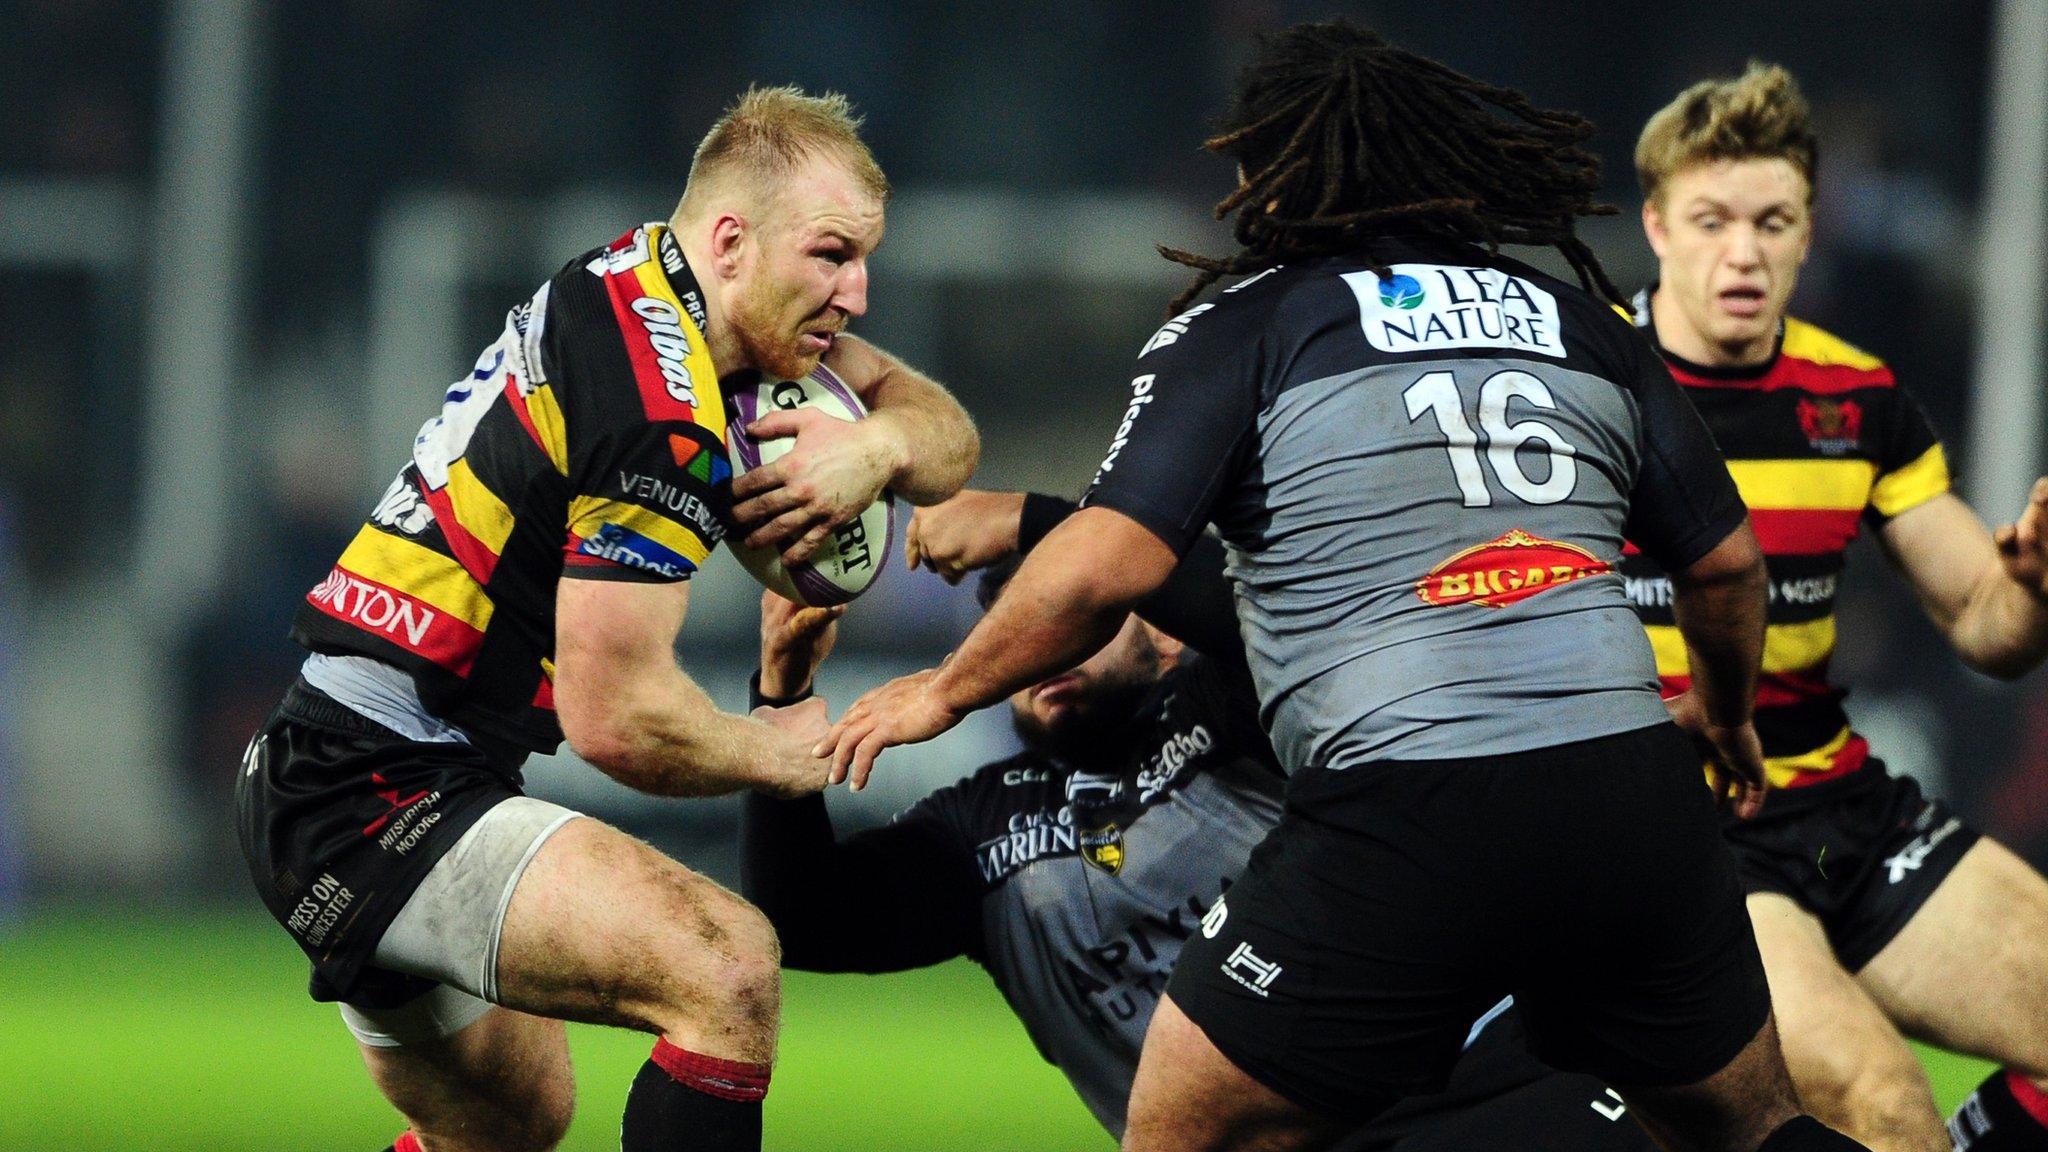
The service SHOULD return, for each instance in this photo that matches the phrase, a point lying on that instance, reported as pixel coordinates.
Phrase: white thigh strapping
(450, 929)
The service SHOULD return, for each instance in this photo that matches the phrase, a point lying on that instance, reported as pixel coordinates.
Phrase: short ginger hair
(769, 133)
(1757, 115)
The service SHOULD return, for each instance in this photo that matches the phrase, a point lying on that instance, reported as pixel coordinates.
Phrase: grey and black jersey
(1424, 481)
(1075, 887)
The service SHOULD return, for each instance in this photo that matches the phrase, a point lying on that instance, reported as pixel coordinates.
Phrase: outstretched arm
(977, 529)
(916, 442)
(1063, 605)
(1987, 592)
(918, 899)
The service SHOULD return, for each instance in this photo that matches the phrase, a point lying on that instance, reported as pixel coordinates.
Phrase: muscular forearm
(2003, 631)
(935, 446)
(667, 738)
(1721, 617)
(1194, 606)
(1061, 607)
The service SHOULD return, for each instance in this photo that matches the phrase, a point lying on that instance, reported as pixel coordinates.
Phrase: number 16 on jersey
(1437, 394)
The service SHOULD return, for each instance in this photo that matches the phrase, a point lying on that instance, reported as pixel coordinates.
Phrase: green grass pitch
(175, 1031)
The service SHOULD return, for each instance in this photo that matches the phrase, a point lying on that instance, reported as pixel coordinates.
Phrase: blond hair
(1757, 115)
(768, 133)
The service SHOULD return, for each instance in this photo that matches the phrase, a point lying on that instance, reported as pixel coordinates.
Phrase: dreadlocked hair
(1339, 135)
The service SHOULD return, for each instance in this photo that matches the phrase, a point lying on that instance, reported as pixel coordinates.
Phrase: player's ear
(1653, 227)
(730, 234)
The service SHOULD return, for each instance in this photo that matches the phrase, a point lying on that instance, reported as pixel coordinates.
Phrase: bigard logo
(1424, 307)
(1500, 572)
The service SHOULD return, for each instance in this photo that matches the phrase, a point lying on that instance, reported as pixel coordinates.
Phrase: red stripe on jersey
(516, 400)
(1805, 531)
(1777, 689)
(1853, 756)
(406, 621)
(1791, 372)
(544, 696)
(655, 397)
(1773, 689)
(474, 555)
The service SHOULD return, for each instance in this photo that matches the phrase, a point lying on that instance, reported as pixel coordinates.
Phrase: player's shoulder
(1237, 315)
(982, 802)
(1813, 349)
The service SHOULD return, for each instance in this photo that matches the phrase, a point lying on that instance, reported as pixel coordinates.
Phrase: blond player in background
(1880, 914)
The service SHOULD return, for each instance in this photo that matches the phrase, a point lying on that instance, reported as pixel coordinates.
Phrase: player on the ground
(1076, 871)
(1876, 910)
(1424, 458)
(525, 579)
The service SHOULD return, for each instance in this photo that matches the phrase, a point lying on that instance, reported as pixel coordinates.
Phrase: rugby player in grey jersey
(1424, 457)
(1075, 871)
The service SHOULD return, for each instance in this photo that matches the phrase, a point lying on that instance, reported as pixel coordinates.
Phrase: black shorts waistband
(308, 705)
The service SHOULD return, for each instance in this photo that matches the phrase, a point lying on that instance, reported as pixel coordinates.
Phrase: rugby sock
(2007, 1113)
(1805, 1134)
(682, 1099)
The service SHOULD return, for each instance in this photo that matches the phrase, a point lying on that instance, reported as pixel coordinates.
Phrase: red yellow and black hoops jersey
(1821, 441)
(588, 441)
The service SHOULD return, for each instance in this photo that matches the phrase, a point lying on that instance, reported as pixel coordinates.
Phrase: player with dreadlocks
(1321, 171)
(1423, 458)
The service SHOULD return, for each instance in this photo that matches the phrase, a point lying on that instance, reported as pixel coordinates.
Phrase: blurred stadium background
(243, 246)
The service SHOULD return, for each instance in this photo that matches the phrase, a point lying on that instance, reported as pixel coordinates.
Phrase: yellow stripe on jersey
(1913, 485)
(1782, 770)
(477, 508)
(709, 409)
(1813, 484)
(589, 514)
(1805, 342)
(419, 572)
(1787, 647)
(546, 413)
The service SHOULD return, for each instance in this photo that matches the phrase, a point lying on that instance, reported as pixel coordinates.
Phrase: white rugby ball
(846, 563)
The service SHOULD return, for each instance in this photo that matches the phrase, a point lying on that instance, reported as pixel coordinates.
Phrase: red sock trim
(725, 1079)
(2029, 1095)
(406, 1142)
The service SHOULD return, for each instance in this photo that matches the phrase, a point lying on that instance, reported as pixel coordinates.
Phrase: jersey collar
(1643, 320)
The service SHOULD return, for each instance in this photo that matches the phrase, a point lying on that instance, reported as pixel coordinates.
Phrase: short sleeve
(1685, 502)
(645, 504)
(1912, 467)
(1188, 424)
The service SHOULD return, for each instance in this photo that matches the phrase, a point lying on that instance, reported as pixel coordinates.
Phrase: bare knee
(531, 1126)
(1886, 1102)
(503, 1085)
(722, 974)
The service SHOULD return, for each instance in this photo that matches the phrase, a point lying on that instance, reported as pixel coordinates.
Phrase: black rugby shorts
(1862, 853)
(340, 819)
(1395, 902)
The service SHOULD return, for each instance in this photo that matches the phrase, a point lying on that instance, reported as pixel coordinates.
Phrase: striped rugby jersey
(588, 441)
(1821, 441)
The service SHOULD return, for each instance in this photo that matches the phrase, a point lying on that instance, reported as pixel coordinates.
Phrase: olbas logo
(1403, 292)
(1501, 572)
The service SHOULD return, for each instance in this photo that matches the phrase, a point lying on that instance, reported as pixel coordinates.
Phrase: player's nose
(850, 294)
(1743, 250)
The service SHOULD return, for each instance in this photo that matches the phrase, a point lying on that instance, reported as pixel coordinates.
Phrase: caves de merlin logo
(1403, 292)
